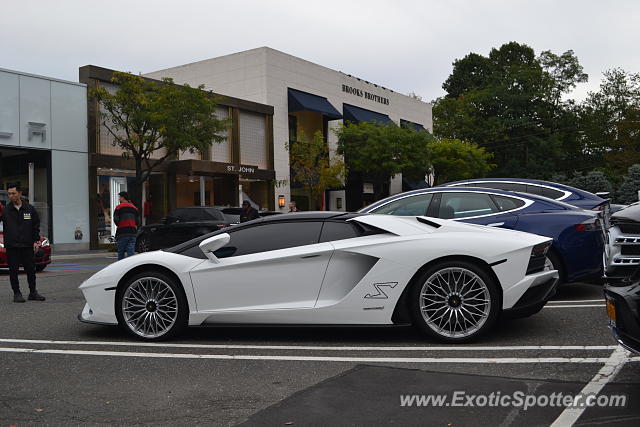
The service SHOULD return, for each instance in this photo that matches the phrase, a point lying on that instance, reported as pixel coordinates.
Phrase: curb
(80, 256)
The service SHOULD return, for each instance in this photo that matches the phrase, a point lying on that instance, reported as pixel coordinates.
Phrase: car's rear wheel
(143, 244)
(455, 301)
(151, 306)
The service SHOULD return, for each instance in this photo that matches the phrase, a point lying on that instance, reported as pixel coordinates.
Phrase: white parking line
(316, 348)
(576, 301)
(575, 306)
(612, 366)
(497, 360)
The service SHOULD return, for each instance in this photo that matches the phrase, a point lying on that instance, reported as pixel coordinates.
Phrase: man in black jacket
(21, 236)
(248, 212)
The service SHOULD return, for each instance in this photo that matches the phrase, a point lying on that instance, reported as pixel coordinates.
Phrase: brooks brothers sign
(364, 94)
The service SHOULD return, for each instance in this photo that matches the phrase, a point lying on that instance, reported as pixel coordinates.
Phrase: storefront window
(253, 140)
(30, 169)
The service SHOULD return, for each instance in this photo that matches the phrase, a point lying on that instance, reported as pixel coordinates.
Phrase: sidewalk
(99, 253)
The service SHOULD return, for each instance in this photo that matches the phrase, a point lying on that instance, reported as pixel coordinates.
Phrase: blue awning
(356, 115)
(303, 101)
(413, 125)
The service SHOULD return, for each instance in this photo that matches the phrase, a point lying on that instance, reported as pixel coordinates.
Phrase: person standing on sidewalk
(21, 237)
(127, 220)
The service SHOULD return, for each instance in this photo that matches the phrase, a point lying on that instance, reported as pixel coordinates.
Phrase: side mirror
(212, 244)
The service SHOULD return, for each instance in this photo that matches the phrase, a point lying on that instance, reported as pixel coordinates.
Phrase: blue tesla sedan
(563, 193)
(578, 237)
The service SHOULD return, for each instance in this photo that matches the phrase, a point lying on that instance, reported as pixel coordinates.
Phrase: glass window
(270, 237)
(534, 189)
(551, 193)
(337, 231)
(195, 214)
(508, 203)
(408, 206)
(463, 205)
(253, 140)
(507, 186)
(221, 151)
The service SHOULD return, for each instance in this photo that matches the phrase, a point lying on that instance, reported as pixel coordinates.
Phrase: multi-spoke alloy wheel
(143, 244)
(151, 307)
(455, 302)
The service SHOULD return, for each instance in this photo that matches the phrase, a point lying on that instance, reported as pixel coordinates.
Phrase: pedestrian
(21, 237)
(248, 212)
(147, 207)
(293, 207)
(127, 220)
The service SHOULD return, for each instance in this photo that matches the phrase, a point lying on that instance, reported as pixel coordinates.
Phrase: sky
(405, 45)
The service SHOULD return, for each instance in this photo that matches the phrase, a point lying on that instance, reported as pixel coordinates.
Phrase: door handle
(496, 224)
(310, 256)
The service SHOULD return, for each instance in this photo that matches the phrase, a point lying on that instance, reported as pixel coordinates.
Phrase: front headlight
(45, 242)
(1, 245)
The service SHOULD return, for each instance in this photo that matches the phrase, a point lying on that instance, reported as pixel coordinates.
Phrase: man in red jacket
(127, 220)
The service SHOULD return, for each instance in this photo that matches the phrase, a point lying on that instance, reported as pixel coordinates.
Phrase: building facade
(43, 148)
(306, 97)
(238, 168)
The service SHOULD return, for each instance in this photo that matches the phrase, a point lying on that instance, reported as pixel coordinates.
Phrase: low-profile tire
(151, 306)
(552, 262)
(143, 244)
(40, 267)
(455, 301)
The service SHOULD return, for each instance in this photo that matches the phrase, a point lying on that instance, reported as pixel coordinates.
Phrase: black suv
(179, 226)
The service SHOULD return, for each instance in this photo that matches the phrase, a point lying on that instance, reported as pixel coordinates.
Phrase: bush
(628, 191)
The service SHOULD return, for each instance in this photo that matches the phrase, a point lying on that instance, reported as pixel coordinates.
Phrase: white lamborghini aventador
(452, 280)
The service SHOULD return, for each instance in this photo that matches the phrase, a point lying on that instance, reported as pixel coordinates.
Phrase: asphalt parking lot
(58, 371)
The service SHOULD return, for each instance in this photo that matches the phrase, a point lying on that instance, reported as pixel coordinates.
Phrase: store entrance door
(116, 184)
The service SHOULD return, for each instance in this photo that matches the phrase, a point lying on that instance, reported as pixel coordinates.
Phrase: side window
(507, 186)
(270, 237)
(409, 206)
(337, 231)
(463, 205)
(507, 203)
(534, 189)
(551, 193)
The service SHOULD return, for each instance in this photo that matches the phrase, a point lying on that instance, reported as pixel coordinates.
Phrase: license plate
(611, 312)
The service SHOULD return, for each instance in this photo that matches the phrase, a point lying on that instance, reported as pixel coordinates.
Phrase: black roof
(302, 215)
(296, 216)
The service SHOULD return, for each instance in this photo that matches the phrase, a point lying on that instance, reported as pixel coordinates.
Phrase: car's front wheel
(143, 244)
(151, 306)
(455, 301)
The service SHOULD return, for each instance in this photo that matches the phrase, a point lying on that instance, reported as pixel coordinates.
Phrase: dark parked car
(233, 213)
(553, 190)
(623, 309)
(578, 236)
(622, 252)
(179, 226)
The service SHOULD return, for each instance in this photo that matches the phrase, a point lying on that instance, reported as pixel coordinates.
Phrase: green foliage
(610, 121)
(313, 167)
(593, 181)
(385, 150)
(382, 151)
(628, 191)
(510, 103)
(453, 160)
(145, 116)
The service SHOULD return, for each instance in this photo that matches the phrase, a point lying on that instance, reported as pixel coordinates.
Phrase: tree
(380, 151)
(594, 181)
(610, 121)
(453, 160)
(313, 167)
(154, 121)
(628, 191)
(510, 103)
